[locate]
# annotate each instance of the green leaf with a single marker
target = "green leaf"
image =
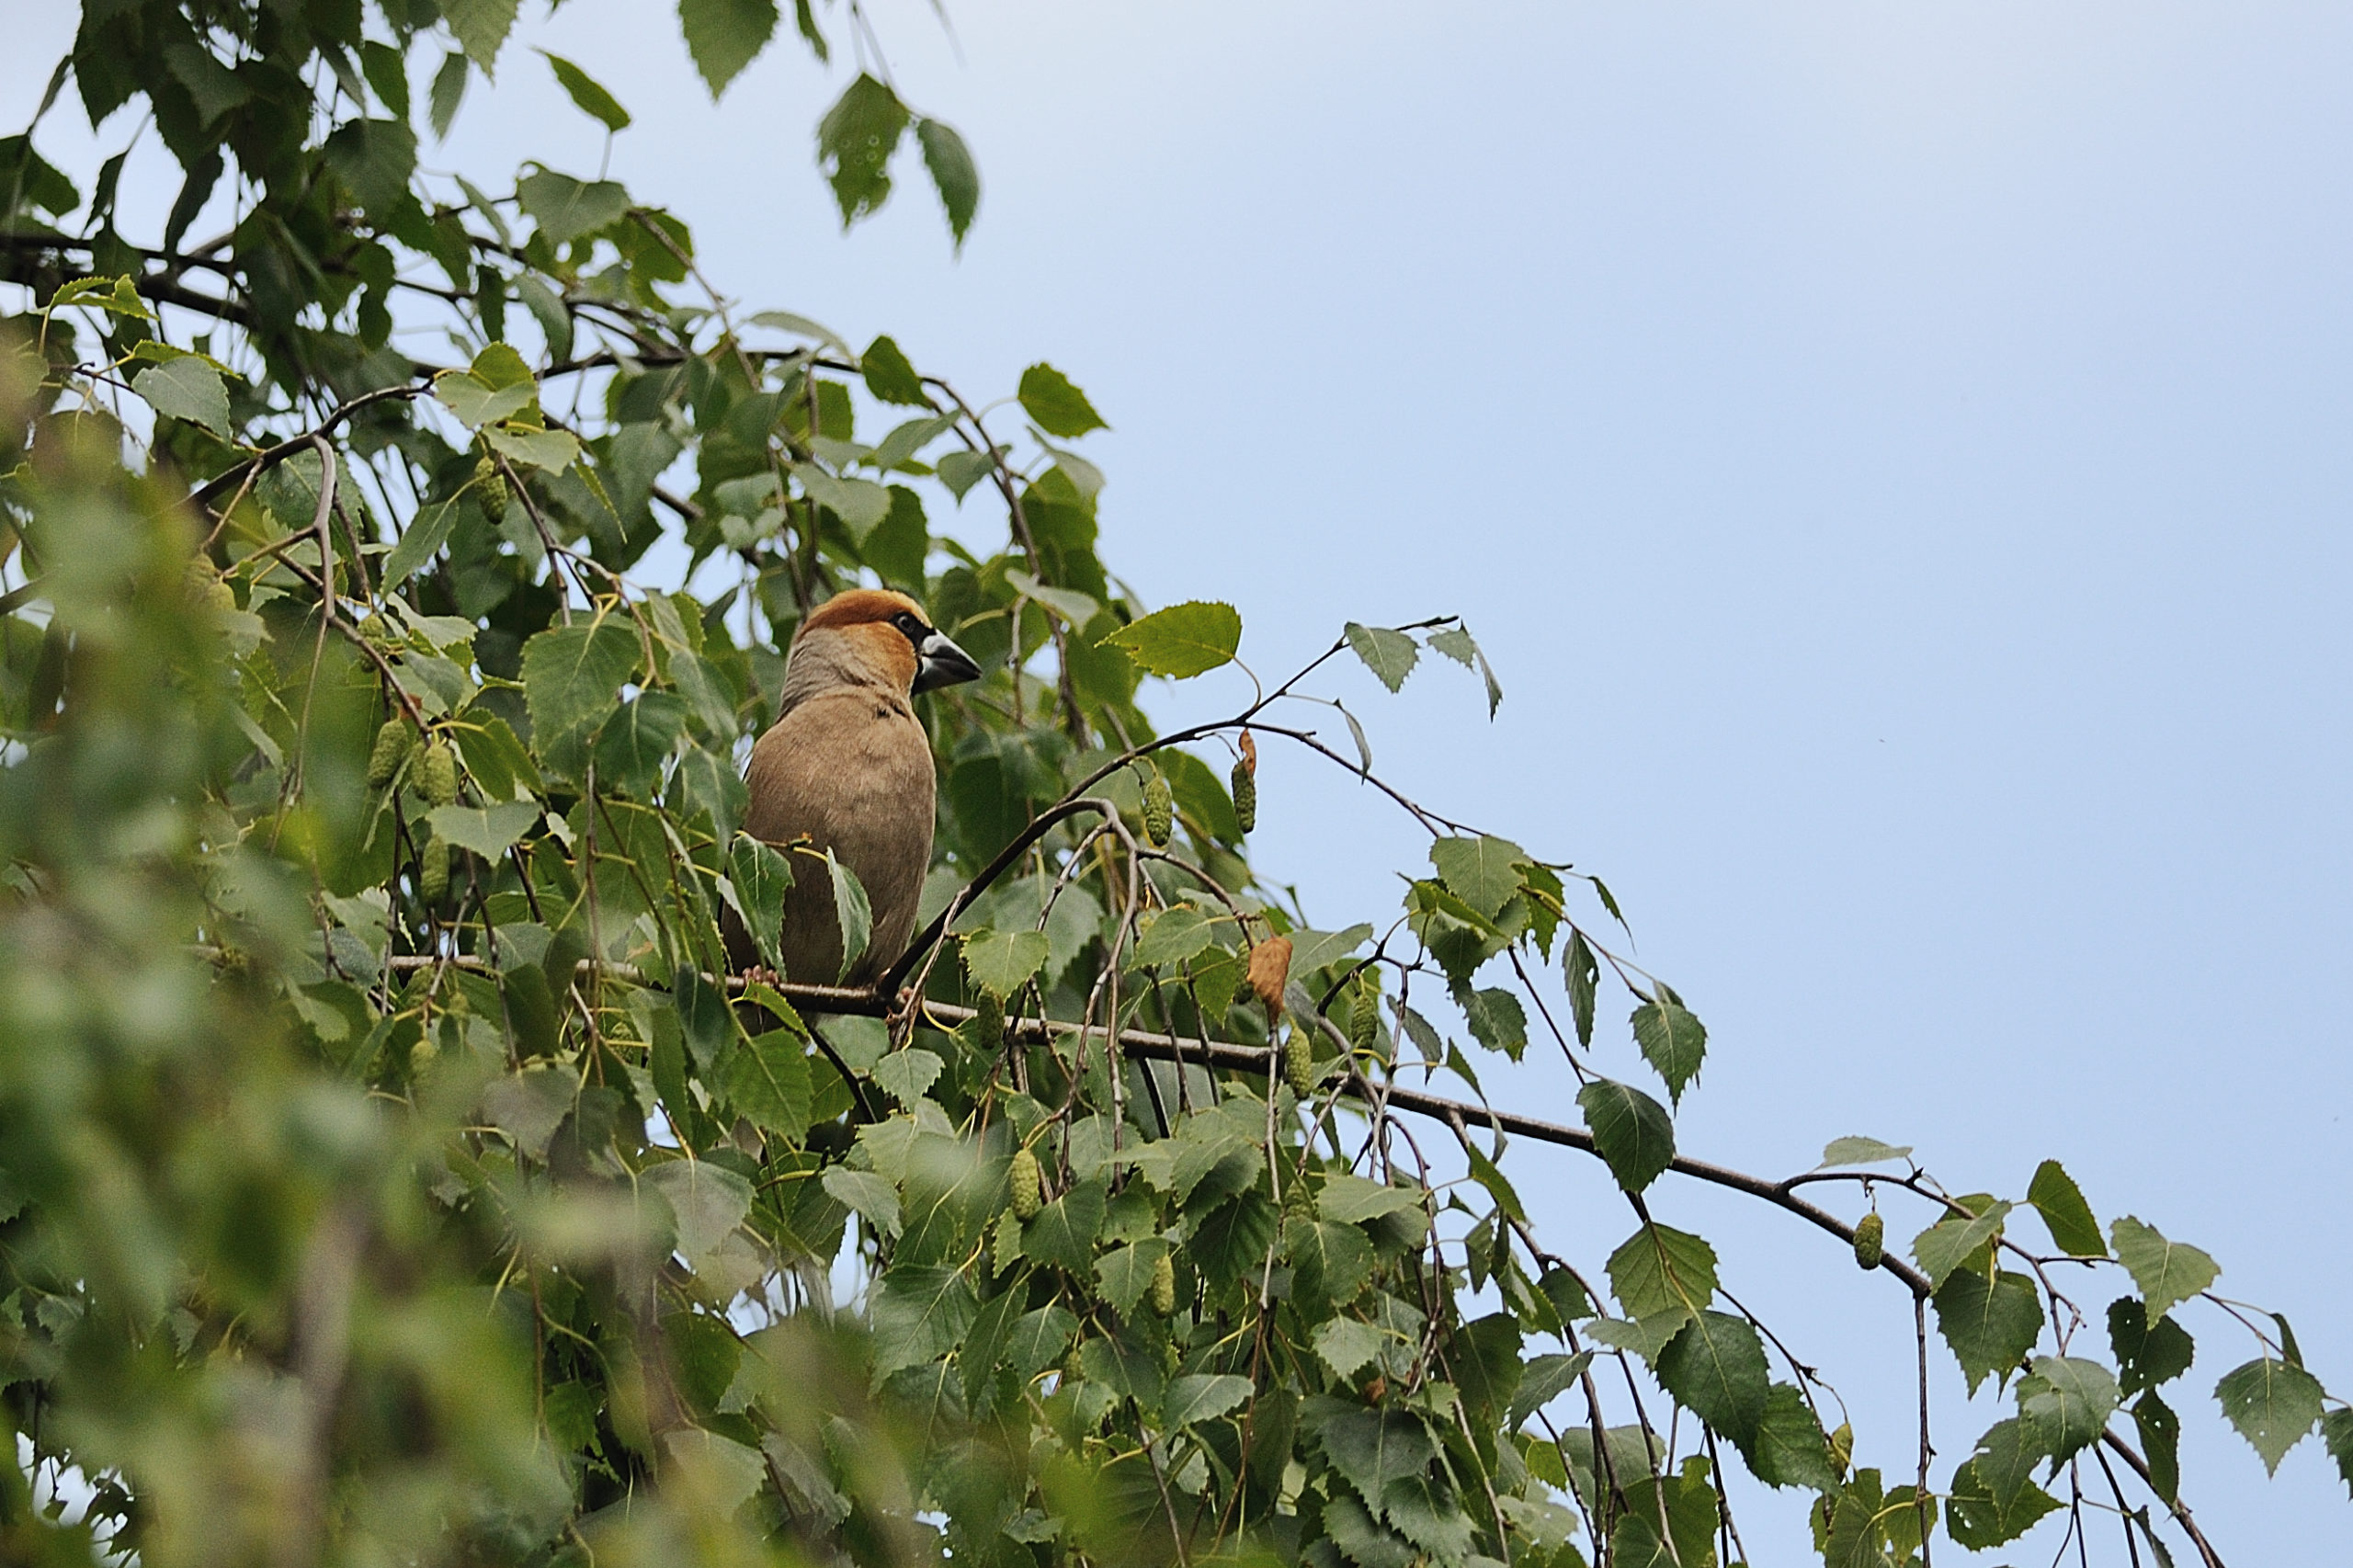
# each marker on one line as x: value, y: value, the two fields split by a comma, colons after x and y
x: 2272, y: 1402
x: 1124, y: 1366
x: 1673, y: 1040
x: 2065, y: 1402
x: 1330, y: 1261
x: 553, y: 450
x: 953, y: 174
x: 1994, y: 1498
x: 1352, y: 1199
x: 1360, y: 1538
x: 1790, y: 1450
x: 865, y: 1192
x: 1059, y: 408
x: 961, y: 470
x: 1484, y: 1172
x: 919, y: 1314
x: 2336, y: 1431
x: 1857, y: 1150
x: 1484, y: 872
x: 1347, y: 1345
x: 889, y: 376
x: 1036, y: 1340
x: 709, y: 1199
x: 854, y: 142
x: 1001, y: 962
x: 1063, y: 1231
x: 768, y: 1082
x: 374, y: 158
x: 2166, y: 1272
x: 906, y: 1074
x: 1182, y: 640
x: 1201, y: 1397
x: 1946, y: 1245
x: 2147, y: 1354
x: 565, y: 207
x: 724, y: 36
x: 1373, y: 1449
x: 572, y: 677
x: 448, y: 91
x: 485, y: 830
x: 1388, y: 654
x: 853, y: 914
x: 186, y: 389
x: 1661, y: 1269
x: 1715, y: 1368
x: 2160, y: 1431
x: 587, y: 95
x: 634, y: 744
x: 1990, y: 1324
x: 860, y: 504
x: 1583, y: 976
x: 2069, y: 1219
x: 427, y: 532
x: 1546, y: 1378
x: 1497, y: 1021
x: 761, y: 877
x: 481, y: 27
x: 705, y: 1018
x: 1633, y: 1131
x: 1126, y: 1272
x: 1173, y: 936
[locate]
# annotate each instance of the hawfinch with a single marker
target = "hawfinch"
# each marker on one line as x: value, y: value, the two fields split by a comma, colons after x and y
x: 847, y: 765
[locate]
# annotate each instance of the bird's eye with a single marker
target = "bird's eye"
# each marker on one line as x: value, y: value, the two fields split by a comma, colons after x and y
x: 907, y: 623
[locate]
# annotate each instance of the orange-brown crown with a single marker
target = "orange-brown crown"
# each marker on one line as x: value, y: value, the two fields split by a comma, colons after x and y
x: 860, y: 606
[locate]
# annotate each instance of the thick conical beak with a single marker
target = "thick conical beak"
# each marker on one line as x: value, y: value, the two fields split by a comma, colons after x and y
x: 939, y: 661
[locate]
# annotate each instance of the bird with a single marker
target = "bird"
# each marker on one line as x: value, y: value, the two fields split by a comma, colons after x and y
x: 846, y: 770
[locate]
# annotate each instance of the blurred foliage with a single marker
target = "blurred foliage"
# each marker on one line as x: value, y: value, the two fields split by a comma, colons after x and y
x: 391, y: 1172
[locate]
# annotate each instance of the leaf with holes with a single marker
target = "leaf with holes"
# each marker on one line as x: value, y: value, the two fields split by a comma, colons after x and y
x: 2272, y: 1402
x: 854, y: 142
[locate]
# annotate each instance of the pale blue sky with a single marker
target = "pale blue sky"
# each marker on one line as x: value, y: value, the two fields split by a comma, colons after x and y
x: 1894, y: 454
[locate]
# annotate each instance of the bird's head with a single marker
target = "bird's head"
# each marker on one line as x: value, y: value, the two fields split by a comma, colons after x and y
x: 883, y: 637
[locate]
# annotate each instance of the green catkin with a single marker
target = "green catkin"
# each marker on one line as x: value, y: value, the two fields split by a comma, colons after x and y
x: 1164, y: 1284
x: 493, y: 486
x: 1871, y: 1241
x: 1245, y: 797
x: 1364, y: 1013
x: 1159, y: 812
x: 433, y: 871
x: 988, y: 1023
x: 1299, y: 1064
x: 437, y: 776
x: 1027, y: 1183
x: 390, y: 751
